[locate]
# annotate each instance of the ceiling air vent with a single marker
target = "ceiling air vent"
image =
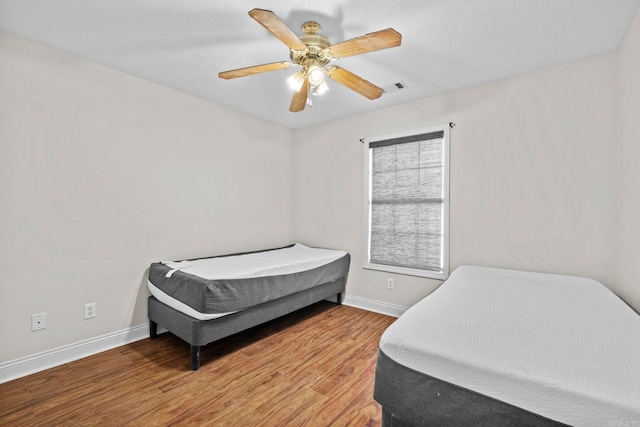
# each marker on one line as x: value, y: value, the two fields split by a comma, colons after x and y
x: 395, y: 87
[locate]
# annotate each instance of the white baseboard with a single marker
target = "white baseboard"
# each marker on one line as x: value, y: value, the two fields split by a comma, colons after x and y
x: 374, y: 305
x: 24, y: 366
x: 28, y: 365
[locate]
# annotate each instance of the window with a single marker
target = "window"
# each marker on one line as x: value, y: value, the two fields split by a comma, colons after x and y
x: 407, y: 202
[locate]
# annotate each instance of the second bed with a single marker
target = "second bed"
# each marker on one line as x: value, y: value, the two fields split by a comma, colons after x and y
x: 501, y: 347
x: 203, y: 300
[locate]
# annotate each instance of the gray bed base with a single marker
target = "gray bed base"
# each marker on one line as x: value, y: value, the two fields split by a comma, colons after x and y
x: 412, y: 398
x: 199, y: 333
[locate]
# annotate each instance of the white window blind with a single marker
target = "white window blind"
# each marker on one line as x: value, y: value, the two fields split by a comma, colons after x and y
x: 407, y: 202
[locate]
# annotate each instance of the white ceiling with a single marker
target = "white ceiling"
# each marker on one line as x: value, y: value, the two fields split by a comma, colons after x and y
x: 446, y: 44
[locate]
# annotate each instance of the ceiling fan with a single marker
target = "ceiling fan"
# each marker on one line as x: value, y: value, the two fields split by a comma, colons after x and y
x: 313, y: 52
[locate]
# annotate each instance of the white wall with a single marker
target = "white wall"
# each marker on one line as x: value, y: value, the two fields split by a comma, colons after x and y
x: 101, y: 174
x: 628, y: 284
x: 532, y: 177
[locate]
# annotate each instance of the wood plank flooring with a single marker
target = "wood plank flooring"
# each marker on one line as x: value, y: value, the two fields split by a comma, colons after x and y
x: 314, y: 367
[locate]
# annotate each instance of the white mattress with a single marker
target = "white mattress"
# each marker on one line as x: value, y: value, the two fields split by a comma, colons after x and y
x: 260, y: 264
x: 277, y: 262
x: 180, y: 306
x: 563, y: 347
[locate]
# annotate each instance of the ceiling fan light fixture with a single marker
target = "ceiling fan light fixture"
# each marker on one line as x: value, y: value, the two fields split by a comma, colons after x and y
x: 321, y: 88
x: 296, y: 80
x: 316, y: 75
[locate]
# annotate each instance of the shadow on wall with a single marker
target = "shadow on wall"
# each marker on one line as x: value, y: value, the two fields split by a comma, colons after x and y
x: 138, y: 311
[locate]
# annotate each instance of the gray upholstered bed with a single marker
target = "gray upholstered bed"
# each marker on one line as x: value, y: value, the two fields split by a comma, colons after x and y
x: 206, y: 299
x: 499, y: 347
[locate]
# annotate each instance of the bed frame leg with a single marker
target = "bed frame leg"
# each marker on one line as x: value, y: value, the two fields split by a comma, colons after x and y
x: 153, y: 330
x: 195, y: 357
x: 339, y: 298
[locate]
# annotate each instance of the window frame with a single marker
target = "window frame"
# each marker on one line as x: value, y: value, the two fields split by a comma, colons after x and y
x: 443, y: 272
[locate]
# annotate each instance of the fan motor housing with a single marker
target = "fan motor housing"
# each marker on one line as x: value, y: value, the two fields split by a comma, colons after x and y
x: 316, y: 51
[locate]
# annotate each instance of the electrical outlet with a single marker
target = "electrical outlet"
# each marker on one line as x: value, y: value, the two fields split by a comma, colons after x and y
x: 390, y: 285
x: 89, y: 310
x: 38, y: 322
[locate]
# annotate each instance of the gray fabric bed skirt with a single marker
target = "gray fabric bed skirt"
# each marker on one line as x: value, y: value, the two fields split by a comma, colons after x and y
x: 202, y: 332
x: 199, y: 333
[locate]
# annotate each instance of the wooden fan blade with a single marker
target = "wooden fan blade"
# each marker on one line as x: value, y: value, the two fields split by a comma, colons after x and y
x: 382, y: 39
x: 353, y: 82
x: 275, y: 26
x: 300, y: 97
x: 247, y: 71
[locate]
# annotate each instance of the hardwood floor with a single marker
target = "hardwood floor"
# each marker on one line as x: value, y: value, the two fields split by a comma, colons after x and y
x: 313, y: 367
